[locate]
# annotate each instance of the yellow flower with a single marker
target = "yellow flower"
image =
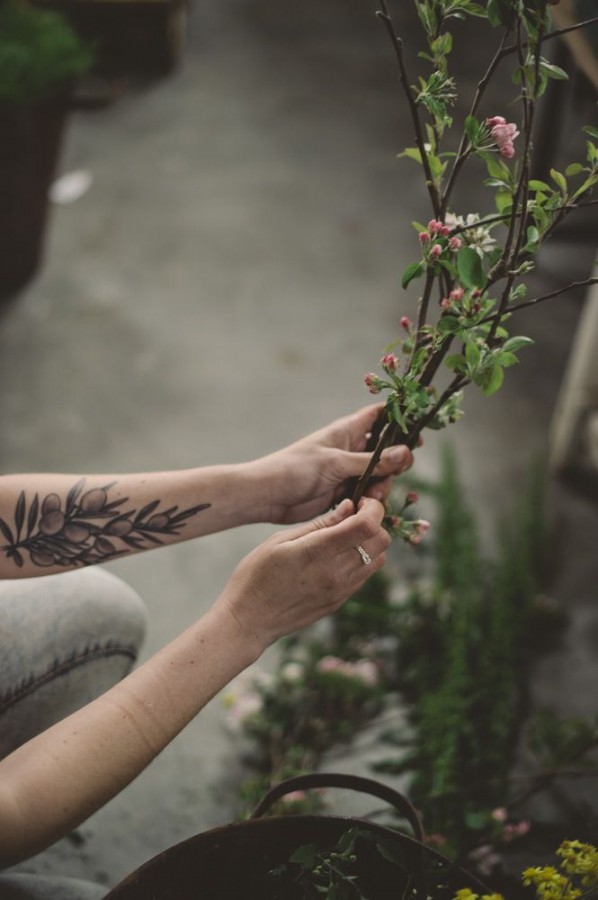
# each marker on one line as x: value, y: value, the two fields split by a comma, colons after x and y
x: 466, y: 894
x: 580, y: 859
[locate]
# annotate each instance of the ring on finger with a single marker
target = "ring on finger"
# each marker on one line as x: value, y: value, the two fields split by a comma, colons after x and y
x: 365, y: 556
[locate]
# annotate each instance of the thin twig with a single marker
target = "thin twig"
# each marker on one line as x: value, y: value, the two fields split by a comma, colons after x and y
x: 397, y: 43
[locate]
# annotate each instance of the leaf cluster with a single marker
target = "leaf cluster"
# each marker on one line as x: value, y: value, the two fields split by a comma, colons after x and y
x: 39, y: 53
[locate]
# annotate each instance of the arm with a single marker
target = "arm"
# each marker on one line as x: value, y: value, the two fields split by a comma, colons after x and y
x: 59, y: 778
x: 52, y: 523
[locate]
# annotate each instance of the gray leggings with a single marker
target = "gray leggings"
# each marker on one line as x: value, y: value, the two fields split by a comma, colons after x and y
x: 64, y: 639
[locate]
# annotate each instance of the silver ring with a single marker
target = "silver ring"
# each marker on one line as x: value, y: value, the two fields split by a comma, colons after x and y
x: 365, y: 556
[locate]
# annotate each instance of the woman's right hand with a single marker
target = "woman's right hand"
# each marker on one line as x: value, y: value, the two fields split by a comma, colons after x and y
x: 303, y: 574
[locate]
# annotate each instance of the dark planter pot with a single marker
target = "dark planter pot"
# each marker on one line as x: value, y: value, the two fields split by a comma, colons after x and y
x: 233, y: 863
x: 29, y: 150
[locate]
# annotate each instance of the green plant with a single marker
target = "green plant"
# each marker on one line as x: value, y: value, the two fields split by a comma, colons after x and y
x: 39, y: 53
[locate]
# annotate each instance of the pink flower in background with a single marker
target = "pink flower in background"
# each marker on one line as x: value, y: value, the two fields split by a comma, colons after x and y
x: 500, y: 814
x: 405, y: 322
x: 412, y: 497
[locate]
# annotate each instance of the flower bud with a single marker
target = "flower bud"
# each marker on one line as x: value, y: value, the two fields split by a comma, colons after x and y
x: 435, y: 251
x: 424, y: 237
x: 455, y: 243
x: 390, y: 362
x: 372, y: 383
x: 405, y: 322
x: 412, y: 497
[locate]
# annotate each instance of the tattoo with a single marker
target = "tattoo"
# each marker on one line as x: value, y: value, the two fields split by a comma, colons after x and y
x: 89, y: 528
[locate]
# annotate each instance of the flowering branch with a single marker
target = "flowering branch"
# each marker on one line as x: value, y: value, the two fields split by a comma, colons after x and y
x: 479, y: 282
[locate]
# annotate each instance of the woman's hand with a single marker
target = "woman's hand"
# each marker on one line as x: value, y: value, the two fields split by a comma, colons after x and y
x: 307, y: 478
x: 298, y: 576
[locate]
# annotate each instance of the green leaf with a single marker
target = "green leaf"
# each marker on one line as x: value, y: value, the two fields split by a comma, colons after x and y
x: 589, y: 129
x: 512, y: 345
x: 476, y: 820
x: 559, y: 179
x: 472, y: 354
x: 505, y: 359
x: 490, y: 379
x: 536, y: 185
x: 469, y: 267
x: 305, y: 856
x: 411, y: 153
x: 553, y: 71
x: 472, y: 129
x: 448, y: 325
x: 456, y: 362
x: 574, y: 169
x: 413, y: 270
x: 503, y: 201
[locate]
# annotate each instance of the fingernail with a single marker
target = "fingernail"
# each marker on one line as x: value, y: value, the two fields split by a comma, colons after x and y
x: 344, y: 507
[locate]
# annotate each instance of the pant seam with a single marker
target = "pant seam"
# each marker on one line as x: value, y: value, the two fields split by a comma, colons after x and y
x: 89, y: 654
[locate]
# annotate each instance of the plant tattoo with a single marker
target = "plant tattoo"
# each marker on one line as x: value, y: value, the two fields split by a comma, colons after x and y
x: 89, y: 528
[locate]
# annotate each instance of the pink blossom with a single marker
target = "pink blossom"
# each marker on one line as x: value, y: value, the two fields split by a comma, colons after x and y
x: 365, y: 670
x: 499, y: 814
x: 412, y: 497
x: 424, y: 237
x: 421, y: 526
x: 390, y: 361
x: 457, y: 294
x: 435, y: 251
x: 434, y: 226
x: 405, y: 322
x: 445, y: 303
x: 455, y: 243
x: 329, y: 664
x: 294, y: 797
x: 503, y: 133
x: 372, y: 383
x: 415, y: 539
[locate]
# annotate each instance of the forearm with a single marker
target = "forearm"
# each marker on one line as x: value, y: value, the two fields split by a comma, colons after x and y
x: 52, y: 523
x: 59, y: 778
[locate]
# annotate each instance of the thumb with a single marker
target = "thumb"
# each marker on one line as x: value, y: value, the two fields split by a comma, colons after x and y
x: 333, y: 517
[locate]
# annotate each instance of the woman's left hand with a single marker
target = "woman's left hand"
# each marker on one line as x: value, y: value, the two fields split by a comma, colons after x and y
x: 307, y: 478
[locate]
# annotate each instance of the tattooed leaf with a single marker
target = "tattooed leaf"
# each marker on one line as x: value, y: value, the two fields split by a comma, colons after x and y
x: 150, y: 537
x: 114, y: 504
x: 20, y: 513
x: 146, y: 510
x: 132, y: 542
x: 188, y: 512
x: 32, y: 517
x: 73, y: 494
x: 6, y: 532
x: 18, y: 559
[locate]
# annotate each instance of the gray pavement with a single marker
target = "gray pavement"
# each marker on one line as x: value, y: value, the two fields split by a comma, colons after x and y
x: 219, y: 291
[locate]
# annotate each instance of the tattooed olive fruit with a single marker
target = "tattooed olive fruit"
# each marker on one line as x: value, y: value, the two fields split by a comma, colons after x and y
x: 159, y: 521
x: 119, y: 527
x: 93, y: 501
x: 51, y: 502
x: 39, y: 558
x: 103, y: 546
x: 76, y: 533
x: 52, y: 522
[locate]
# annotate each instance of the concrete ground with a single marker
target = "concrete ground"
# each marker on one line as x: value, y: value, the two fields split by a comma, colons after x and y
x: 219, y: 291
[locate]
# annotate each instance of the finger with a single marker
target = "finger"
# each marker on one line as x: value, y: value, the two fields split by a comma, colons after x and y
x: 328, y: 520
x: 393, y: 461
x: 352, y: 530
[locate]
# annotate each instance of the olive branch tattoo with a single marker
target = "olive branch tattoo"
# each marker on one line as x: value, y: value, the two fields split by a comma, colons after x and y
x: 89, y: 527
